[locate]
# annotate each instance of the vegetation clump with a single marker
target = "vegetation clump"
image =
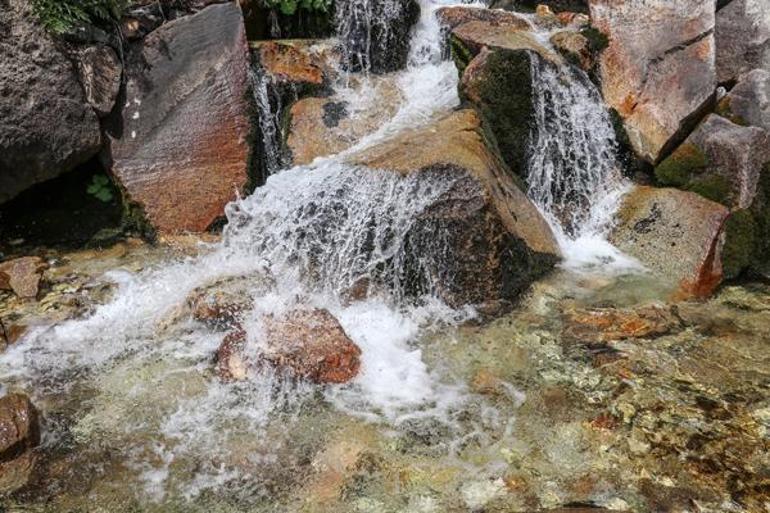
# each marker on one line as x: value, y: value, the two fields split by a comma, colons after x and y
x: 289, y: 7
x: 61, y: 16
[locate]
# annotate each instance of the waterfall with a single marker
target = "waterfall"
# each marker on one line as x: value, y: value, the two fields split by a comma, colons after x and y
x: 365, y: 27
x: 269, y: 103
x: 574, y: 173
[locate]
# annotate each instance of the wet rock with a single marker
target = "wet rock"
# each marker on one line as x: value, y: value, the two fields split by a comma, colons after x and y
x: 495, y: 243
x: 595, y: 325
x: 292, y: 62
x: 100, y: 73
x: 47, y: 126
x: 729, y: 164
x: 10, y: 333
x: 469, y: 38
x: 676, y: 234
x: 22, y: 276
x: 181, y: 150
x: 658, y: 72
x: 309, y: 343
x: 575, y: 47
x: 218, y: 309
x: 326, y: 126
x: 748, y: 103
x: 452, y: 17
x: 742, y: 38
x: 19, y: 435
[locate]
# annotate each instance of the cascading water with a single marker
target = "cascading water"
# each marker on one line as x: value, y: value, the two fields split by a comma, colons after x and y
x: 574, y: 174
x: 269, y: 105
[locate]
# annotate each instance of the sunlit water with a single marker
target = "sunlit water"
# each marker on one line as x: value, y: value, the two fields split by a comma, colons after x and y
x: 139, y: 376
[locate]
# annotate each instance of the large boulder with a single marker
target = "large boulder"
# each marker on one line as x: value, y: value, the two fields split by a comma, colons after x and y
x: 180, y: 151
x: 729, y: 164
x: 47, y: 127
x: 452, y: 17
x: 482, y: 241
x: 748, y: 103
x: 743, y: 38
x: 310, y: 344
x: 497, y: 61
x: 19, y: 435
x: 325, y: 126
x: 676, y: 234
x: 658, y: 71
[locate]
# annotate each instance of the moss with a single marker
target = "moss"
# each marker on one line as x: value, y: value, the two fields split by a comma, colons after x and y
x: 503, y: 90
x: 714, y: 187
x: 761, y: 212
x: 597, y: 40
x: 681, y: 166
x: 740, y: 243
x: 461, y: 55
x: 723, y: 109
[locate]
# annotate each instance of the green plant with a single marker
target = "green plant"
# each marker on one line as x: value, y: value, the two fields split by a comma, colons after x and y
x: 101, y: 188
x: 290, y: 7
x: 61, y: 16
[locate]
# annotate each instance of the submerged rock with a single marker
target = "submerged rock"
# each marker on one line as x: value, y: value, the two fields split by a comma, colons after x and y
x: 181, y: 150
x: 742, y: 38
x: 311, y: 344
x: 599, y: 325
x: 658, y: 72
x: 676, y: 234
x: 19, y: 435
x: 481, y: 241
x: 47, y: 126
x: 22, y: 276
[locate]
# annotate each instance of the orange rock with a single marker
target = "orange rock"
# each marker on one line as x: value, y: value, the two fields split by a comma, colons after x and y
x: 19, y: 435
x: 309, y: 343
x: 454, y: 16
x: 608, y: 324
x: 288, y: 63
x: 22, y: 276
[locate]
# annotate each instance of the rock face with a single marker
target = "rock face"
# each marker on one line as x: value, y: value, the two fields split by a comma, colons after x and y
x: 748, y: 103
x: 720, y: 160
x: 729, y: 164
x: 659, y: 70
x: 324, y: 126
x: 22, y: 276
x: 100, y: 73
x: 742, y: 38
x: 495, y: 243
x: 453, y: 17
x: 676, y: 234
x: 310, y: 344
x: 293, y: 62
x: 182, y: 148
x: 19, y: 434
x: 47, y: 127
x: 574, y: 46
x: 496, y: 62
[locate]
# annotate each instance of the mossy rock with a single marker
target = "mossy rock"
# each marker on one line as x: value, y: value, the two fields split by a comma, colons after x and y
x: 761, y: 213
x: 501, y: 90
x: 740, y: 243
x: 597, y: 40
x: 679, y: 169
x: 723, y: 109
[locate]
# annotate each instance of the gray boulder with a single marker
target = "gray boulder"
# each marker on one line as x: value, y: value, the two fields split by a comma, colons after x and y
x: 46, y: 126
x: 742, y: 38
x: 100, y: 73
x: 748, y: 103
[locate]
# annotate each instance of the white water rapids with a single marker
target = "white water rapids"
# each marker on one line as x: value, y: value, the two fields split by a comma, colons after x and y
x: 327, y: 219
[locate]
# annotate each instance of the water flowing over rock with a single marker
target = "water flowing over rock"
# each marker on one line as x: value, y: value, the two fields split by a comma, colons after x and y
x: 181, y: 149
x: 676, y: 234
x: 47, y: 127
x: 375, y: 33
x: 452, y: 17
x: 100, y: 73
x: 742, y: 38
x: 602, y: 325
x: 659, y: 71
x: 19, y: 435
x: 481, y: 240
x: 311, y: 344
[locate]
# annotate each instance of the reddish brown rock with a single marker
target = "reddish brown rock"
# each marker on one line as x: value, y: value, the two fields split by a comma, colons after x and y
x: 10, y: 333
x: 22, y: 276
x: 658, y: 72
x: 573, y: 19
x: 304, y: 63
x: 452, y: 17
x: 310, y: 343
x: 216, y: 308
x: 598, y: 325
x: 575, y: 46
x: 678, y: 235
x: 181, y: 151
x: 19, y: 435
